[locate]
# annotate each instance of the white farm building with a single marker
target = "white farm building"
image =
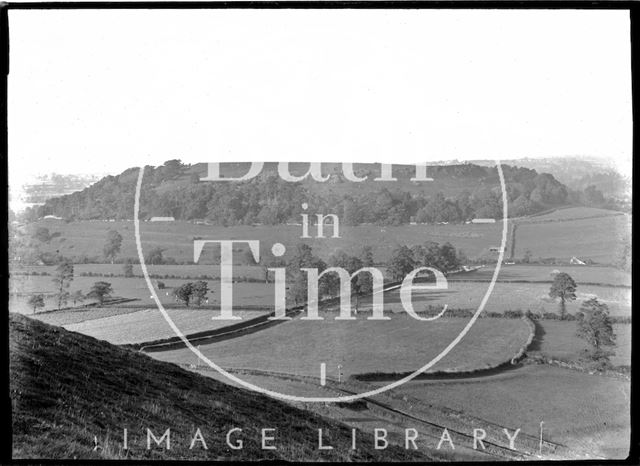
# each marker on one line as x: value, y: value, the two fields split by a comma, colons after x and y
x: 483, y: 220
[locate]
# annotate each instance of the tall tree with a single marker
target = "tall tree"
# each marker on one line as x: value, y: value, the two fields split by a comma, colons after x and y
x: 199, y: 292
x: 184, y: 293
x: 563, y: 287
x: 402, y: 263
x: 301, y: 258
x: 62, y: 279
x: 596, y: 327
x: 112, y: 245
x: 36, y: 301
x: 365, y: 280
x: 100, y: 291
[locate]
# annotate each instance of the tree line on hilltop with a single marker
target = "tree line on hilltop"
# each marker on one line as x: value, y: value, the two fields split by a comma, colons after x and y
x: 174, y: 189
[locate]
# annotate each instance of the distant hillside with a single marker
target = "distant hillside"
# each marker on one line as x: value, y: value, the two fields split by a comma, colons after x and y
x: 578, y: 173
x: 457, y: 194
x: 67, y: 388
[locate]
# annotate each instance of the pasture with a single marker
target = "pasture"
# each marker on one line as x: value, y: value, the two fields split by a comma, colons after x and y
x: 460, y: 294
x: 401, y: 344
x: 545, y: 273
x: 149, y: 324
x: 588, y: 413
x: 559, y: 340
x: 600, y: 239
x: 176, y: 238
x: 509, y: 296
x: 597, y: 237
x: 572, y: 213
x: 244, y: 294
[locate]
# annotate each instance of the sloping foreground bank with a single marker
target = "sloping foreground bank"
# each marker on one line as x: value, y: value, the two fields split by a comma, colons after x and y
x: 71, y: 392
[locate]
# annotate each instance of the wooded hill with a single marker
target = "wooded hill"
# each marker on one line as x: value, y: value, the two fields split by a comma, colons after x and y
x: 457, y: 193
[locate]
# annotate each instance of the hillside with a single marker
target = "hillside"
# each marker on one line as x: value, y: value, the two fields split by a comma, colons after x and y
x: 67, y: 388
x: 456, y: 194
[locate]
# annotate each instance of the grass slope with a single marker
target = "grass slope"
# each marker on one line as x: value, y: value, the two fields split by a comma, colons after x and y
x: 67, y: 388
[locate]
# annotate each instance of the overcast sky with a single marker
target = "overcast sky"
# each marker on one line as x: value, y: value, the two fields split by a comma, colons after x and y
x: 101, y: 91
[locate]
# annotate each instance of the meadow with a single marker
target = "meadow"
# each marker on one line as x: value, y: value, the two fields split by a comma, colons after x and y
x: 586, y: 233
x: 149, y: 324
x: 558, y: 339
x: 545, y: 273
x: 587, y: 413
x: 600, y: 239
x: 244, y: 294
x: 509, y: 296
x: 465, y: 290
x: 399, y: 345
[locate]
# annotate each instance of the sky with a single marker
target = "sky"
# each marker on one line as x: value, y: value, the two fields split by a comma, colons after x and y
x: 101, y: 91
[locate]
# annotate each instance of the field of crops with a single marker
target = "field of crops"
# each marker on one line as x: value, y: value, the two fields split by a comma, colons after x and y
x: 582, y: 411
x: 399, y: 345
x: 149, y: 324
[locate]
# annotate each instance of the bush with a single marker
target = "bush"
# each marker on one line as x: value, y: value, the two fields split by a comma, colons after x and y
x: 466, y: 313
x: 513, y: 314
x: 531, y: 315
x: 550, y: 316
x: 161, y: 285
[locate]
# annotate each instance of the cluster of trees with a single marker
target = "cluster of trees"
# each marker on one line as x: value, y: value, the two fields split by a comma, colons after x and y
x: 594, y: 325
x: 62, y: 278
x: 404, y: 259
x: 192, y: 292
x: 267, y: 199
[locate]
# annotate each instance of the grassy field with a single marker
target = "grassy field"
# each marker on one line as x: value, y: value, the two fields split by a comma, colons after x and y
x: 599, y: 239
x: 176, y: 238
x: 150, y: 325
x: 573, y: 213
x: 510, y: 296
x: 585, y: 412
x: 460, y: 294
x: 68, y: 388
x: 244, y: 294
x: 596, y: 238
x: 400, y: 344
x: 72, y: 316
x: 559, y: 340
x: 531, y: 272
